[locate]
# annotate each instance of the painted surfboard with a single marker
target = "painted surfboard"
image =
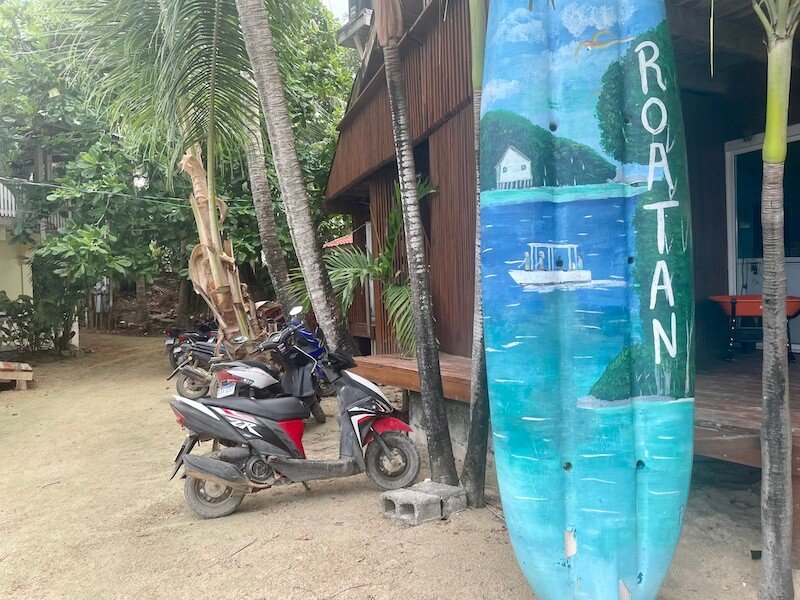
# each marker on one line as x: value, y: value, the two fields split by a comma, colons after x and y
x: 588, y: 303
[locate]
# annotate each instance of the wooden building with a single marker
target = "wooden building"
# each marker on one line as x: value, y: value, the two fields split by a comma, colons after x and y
x: 723, y: 116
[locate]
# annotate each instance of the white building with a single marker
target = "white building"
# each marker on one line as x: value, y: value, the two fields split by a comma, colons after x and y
x: 514, y: 170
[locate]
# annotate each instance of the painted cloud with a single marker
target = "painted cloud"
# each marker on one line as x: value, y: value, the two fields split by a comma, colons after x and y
x: 497, y: 89
x: 578, y: 17
x: 519, y: 26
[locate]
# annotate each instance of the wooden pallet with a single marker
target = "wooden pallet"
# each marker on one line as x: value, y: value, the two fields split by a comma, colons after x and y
x: 20, y: 373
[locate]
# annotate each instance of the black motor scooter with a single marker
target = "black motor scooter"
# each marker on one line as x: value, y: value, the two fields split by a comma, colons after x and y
x: 262, y: 443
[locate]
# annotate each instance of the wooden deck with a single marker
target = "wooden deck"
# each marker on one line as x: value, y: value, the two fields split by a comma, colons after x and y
x: 727, y: 406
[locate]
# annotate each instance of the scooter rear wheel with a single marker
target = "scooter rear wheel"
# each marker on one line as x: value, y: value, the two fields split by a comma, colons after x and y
x: 189, y: 388
x: 396, y: 470
x: 211, y: 500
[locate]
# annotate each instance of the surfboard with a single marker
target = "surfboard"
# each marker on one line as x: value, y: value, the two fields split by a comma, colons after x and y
x: 588, y: 302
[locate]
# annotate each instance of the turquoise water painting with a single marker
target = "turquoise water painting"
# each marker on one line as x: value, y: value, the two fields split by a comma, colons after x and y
x: 588, y: 303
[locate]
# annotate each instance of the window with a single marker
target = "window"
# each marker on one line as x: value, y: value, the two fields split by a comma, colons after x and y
x: 505, y: 169
x: 523, y: 167
x: 748, y: 167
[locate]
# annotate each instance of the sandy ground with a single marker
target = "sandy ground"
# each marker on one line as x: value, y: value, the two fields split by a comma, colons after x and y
x: 86, y: 511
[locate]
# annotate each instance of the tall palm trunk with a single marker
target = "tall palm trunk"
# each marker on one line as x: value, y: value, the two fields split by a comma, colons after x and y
x: 271, y: 249
x: 473, y: 474
x: 254, y: 21
x: 440, y: 449
x: 142, y: 310
x: 780, y: 23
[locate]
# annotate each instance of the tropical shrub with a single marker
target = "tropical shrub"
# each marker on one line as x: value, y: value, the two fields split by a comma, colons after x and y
x: 353, y: 268
x: 22, y: 328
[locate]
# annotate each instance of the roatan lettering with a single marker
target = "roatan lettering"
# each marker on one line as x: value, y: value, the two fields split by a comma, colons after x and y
x: 662, y: 280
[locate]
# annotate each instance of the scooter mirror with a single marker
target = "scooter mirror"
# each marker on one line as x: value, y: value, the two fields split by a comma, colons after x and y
x: 296, y: 311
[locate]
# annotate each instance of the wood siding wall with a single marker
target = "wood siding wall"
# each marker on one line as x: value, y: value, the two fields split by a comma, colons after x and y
x: 382, y: 199
x: 437, y: 70
x: 452, y: 243
x: 358, y: 313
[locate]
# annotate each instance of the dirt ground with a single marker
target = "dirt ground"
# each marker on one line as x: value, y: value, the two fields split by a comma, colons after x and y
x: 87, y: 511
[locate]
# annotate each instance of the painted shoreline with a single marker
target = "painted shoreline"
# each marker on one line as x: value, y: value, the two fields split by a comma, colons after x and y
x: 594, y: 191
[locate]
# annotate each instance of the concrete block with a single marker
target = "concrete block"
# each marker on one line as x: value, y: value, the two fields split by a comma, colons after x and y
x: 411, y: 507
x: 453, y: 498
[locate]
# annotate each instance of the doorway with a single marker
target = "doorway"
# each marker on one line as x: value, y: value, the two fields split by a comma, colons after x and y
x: 743, y: 171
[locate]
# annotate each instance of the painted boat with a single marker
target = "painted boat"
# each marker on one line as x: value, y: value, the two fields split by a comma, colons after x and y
x: 591, y: 383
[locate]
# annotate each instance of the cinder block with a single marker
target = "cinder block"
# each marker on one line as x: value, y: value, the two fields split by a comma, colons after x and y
x: 453, y: 498
x: 411, y: 507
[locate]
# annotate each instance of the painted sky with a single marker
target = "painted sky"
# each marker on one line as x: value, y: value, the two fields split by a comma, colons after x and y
x: 533, y: 68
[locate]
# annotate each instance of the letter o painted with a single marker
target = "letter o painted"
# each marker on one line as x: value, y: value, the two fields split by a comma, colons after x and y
x: 646, y: 118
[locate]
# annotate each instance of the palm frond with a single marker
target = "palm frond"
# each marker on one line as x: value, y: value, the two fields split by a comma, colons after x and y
x: 350, y: 268
x: 205, y: 74
x: 167, y: 71
x: 397, y: 301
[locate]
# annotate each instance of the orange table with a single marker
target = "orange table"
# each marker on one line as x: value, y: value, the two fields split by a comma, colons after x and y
x: 749, y: 305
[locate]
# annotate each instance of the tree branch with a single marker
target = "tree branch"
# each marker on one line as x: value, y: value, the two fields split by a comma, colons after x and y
x: 763, y: 18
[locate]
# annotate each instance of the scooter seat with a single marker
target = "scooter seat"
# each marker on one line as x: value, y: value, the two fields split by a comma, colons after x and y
x: 206, y: 346
x: 283, y: 408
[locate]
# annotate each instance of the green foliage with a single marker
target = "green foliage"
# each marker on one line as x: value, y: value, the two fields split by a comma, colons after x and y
x: 39, y: 108
x: 83, y: 254
x: 554, y: 160
x: 619, y: 107
x: 21, y: 326
x: 351, y: 269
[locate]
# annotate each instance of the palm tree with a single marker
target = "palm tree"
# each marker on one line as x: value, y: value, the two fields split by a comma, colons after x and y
x: 271, y: 249
x: 473, y: 474
x: 780, y: 19
x: 389, y: 27
x: 254, y: 20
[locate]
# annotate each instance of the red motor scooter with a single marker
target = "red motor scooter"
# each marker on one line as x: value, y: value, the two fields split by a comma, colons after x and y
x: 262, y: 442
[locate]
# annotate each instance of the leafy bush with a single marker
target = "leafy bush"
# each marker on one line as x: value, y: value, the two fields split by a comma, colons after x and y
x: 22, y: 328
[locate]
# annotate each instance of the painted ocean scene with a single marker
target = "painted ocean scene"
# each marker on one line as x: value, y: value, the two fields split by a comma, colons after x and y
x: 586, y: 266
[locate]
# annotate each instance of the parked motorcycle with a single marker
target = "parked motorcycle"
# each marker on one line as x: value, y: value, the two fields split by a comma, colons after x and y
x: 203, y: 331
x: 291, y: 370
x: 262, y: 442
x: 313, y: 345
x: 194, y: 376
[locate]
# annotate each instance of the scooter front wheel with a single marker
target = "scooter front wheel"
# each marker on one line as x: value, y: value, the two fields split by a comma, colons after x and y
x: 396, y: 469
x: 211, y: 500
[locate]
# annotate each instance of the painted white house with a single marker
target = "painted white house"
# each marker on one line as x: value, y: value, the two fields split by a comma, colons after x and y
x: 514, y: 170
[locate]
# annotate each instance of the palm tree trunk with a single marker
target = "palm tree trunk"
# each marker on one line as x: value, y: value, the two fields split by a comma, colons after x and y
x: 473, y: 474
x: 443, y: 468
x: 254, y: 21
x: 271, y: 249
x: 142, y: 310
x: 776, y: 433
